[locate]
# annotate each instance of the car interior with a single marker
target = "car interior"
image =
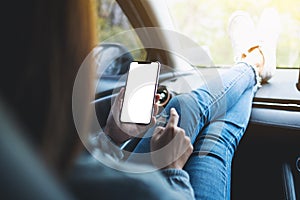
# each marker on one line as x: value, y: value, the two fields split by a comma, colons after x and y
x: 266, y: 164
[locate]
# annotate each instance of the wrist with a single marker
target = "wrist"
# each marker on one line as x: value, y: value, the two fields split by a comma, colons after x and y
x: 116, y: 134
x: 113, y: 136
x: 173, y: 166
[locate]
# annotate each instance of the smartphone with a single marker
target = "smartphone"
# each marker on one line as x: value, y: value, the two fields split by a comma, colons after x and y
x: 139, y: 95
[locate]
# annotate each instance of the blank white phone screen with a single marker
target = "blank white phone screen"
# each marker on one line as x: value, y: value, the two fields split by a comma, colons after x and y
x: 139, y: 92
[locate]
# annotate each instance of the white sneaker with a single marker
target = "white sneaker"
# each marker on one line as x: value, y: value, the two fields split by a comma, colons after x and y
x: 242, y: 33
x: 268, y: 33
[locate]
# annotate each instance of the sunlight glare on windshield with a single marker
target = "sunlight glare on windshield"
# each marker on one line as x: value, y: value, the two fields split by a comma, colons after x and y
x: 206, y: 23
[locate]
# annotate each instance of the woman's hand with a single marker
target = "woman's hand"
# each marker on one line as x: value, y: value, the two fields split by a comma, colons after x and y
x: 120, y: 132
x: 170, y: 147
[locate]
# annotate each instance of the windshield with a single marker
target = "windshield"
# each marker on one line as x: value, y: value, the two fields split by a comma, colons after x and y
x: 206, y: 23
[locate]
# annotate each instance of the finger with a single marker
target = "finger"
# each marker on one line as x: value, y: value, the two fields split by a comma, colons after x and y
x: 191, y: 149
x: 157, y: 97
x: 121, y: 93
x: 174, y: 118
x: 120, y: 97
x: 155, y: 109
x: 153, y: 121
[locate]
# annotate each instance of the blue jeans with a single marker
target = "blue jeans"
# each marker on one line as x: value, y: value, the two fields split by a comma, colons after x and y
x: 215, y: 117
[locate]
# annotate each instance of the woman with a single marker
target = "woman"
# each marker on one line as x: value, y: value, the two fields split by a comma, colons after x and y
x: 56, y: 36
x: 52, y: 39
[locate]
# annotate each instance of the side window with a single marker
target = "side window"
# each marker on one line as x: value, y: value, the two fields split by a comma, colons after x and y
x: 112, y: 22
